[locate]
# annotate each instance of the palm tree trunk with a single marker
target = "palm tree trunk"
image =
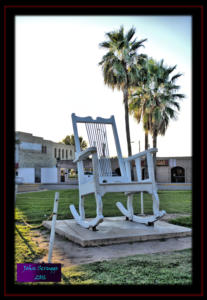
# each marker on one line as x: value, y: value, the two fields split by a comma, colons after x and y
x: 154, y: 140
x: 146, y: 147
x: 146, y: 140
x: 125, y: 91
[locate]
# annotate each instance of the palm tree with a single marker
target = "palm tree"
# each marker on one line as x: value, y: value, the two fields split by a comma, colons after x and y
x: 165, y: 100
x: 138, y: 109
x: 120, y: 66
x: 70, y: 140
x: 156, y: 100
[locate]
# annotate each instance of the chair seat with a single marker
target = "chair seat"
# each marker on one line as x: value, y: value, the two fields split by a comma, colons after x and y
x: 125, y: 183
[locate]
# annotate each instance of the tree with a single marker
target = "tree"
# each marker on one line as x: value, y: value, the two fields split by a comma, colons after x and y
x: 120, y: 66
x: 70, y: 140
x: 156, y: 99
x: 165, y: 100
x: 138, y: 100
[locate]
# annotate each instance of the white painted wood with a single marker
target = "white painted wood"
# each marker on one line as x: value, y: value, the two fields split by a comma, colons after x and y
x: 86, y: 224
x: 150, y: 167
x: 81, y: 207
x: 84, y: 154
x: 123, y: 210
x: 130, y: 206
x: 99, y: 185
x: 128, y: 170
x: 52, y: 234
x: 143, y: 153
x: 149, y: 219
x: 144, y: 220
x: 90, y: 120
x: 142, y: 204
x: 138, y: 168
x: 118, y: 149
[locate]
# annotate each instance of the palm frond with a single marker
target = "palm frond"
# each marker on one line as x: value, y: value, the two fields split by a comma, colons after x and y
x: 171, y: 69
x: 138, y: 44
x: 175, y: 77
x: 180, y: 96
x: 105, y: 44
x: 130, y: 34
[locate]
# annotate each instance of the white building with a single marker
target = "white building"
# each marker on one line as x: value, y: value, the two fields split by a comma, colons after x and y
x: 36, y: 158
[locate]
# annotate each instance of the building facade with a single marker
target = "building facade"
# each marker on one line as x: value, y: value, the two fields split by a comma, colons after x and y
x: 43, y: 161
x: 174, y: 169
x: 35, y: 156
x: 168, y: 169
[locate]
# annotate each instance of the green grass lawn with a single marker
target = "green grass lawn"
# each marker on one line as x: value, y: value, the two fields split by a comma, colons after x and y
x: 182, y: 221
x: 163, y: 268
x: 38, y: 206
x: 151, y: 269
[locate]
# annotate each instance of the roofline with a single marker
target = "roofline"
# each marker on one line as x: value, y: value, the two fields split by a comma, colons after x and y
x: 39, y: 137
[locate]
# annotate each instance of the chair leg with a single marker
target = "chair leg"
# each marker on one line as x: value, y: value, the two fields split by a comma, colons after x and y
x: 81, y: 207
x: 80, y: 218
x: 99, y: 205
x: 156, y: 203
x: 155, y: 199
x: 149, y: 220
x: 130, y: 206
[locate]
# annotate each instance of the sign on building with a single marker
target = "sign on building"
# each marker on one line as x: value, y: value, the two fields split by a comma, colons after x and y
x: 162, y: 162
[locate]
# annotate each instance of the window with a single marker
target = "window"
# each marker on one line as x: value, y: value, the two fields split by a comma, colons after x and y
x: 44, y: 149
x: 71, y: 153
x: 178, y: 174
x: 55, y: 152
x: 62, y: 153
x: 59, y: 153
x: 66, y: 154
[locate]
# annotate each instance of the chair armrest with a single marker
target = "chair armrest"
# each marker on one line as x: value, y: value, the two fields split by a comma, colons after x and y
x: 84, y: 154
x: 140, y: 154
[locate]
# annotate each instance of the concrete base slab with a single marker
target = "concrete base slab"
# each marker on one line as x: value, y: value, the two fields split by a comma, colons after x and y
x: 116, y: 230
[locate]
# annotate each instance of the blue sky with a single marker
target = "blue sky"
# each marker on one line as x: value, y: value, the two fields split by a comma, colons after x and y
x: 57, y: 74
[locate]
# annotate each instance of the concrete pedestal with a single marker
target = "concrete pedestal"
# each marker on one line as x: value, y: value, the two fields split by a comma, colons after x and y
x: 116, y: 230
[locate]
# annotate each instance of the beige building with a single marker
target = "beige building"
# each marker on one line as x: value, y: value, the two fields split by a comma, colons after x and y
x: 168, y: 169
x: 174, y: 169
x: 41, y: 160
x: 33, y: 152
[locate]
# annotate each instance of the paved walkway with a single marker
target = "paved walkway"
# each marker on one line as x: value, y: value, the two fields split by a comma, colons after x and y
x: 68, y: 253
x: 63, y: 186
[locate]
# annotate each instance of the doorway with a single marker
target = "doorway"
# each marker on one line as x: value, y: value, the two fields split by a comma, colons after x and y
x: 177, y: 174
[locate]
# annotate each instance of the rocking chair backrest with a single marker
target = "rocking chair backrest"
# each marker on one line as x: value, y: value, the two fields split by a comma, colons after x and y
x: 97, y: 136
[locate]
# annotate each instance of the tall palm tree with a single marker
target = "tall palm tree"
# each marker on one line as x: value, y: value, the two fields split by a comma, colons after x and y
x: 156, y: 99
x: 120, y: 66
x: 138, y: 100
x: 165, y: 100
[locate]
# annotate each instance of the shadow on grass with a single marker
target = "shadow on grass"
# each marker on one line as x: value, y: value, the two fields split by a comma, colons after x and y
x: 25, y: 240
x: 66, y: 279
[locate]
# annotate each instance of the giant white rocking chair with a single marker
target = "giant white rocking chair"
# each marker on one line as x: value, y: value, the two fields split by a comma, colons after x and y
x: 102, y: 181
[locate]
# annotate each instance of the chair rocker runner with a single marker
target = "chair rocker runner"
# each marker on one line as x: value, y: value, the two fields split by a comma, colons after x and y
x: 102, y: 181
